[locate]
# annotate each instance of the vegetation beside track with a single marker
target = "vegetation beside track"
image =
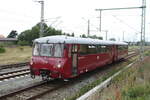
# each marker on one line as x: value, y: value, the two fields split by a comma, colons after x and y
x: 88, y: 87
x: 2, y: 49
x: 133, y: 47
x: 133, y: 84
x: 147, y: 53
x: 15, y: 54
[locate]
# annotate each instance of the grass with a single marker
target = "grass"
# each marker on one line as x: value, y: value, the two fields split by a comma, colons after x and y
x: 133, y: 47
x: 147, y: 53
x: 133, y: 84
x: 130, y: 48
x: 2, y: 50
x: 138, y: 92
x: 15, y: 54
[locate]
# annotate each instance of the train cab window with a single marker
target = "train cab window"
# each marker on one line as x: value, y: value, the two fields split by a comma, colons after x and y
x: 58, y: 50
x: 46, y: 50
x: 36, y: 49
x: 51, y: 50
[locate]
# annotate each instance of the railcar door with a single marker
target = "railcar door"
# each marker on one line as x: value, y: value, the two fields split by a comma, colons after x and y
x: 74, y: 59
x: 115, y: 52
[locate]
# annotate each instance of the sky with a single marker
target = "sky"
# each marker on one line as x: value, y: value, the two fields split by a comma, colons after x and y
x: 73, y: 15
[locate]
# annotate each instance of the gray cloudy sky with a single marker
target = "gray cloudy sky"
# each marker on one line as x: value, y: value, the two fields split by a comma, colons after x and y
x: 73, y: 15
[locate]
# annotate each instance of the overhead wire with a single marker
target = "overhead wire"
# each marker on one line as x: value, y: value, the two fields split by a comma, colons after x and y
x: 120, y: 20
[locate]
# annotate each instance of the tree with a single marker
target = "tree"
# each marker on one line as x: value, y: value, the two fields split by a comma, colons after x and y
x: 51, y: 31
x: 83, y: 36
x: 27, y: 36
x: 96, y: 37
x: 112, y: 39
x: 93, y: 37
x: 12, y: 34
x: 72, y: 34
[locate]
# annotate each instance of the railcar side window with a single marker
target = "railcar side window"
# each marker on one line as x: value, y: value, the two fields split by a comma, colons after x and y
x: 126, y: 47
x: 122, y: 48
x: 108, y: 48
x: 83, y: 49
x: 102, y: 49
x: 92, y: 49
x: 74, y: 48
x: 98, y: 49
x: 36, y: 50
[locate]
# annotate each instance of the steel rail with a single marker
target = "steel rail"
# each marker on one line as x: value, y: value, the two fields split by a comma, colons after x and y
x: 14, y: 71
x: 14, y: 65
x: 30, y: 87
x: 12, y: 75
x: 16, y: 91
x: 45, y: 92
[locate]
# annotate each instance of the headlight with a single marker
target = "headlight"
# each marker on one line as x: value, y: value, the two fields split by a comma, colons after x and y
x: 31, y: 62
x: 59, y: 65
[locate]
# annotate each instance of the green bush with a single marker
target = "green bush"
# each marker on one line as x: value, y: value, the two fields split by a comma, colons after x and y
x: 137, y: 92
x: 2, y: 49
x: 21, y: 48
x: 147, y: 53
x: 23, y: 43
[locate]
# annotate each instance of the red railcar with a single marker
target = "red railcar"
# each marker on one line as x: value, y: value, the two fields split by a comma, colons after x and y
x: 67, y: 57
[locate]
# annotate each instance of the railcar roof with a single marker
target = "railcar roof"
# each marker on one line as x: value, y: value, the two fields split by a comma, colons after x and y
x: 75, y: 40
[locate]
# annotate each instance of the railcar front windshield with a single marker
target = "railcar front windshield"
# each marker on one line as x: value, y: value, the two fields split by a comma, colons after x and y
x: 50, y: 50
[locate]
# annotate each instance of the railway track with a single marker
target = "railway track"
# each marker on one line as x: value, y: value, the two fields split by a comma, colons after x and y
x: 42, y: 91
x: 13, y: 70
x: 13, y: 74
x: 39, y: 89
x: 33, y: 91
x: 132, y: 54
x: 13, y: 65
